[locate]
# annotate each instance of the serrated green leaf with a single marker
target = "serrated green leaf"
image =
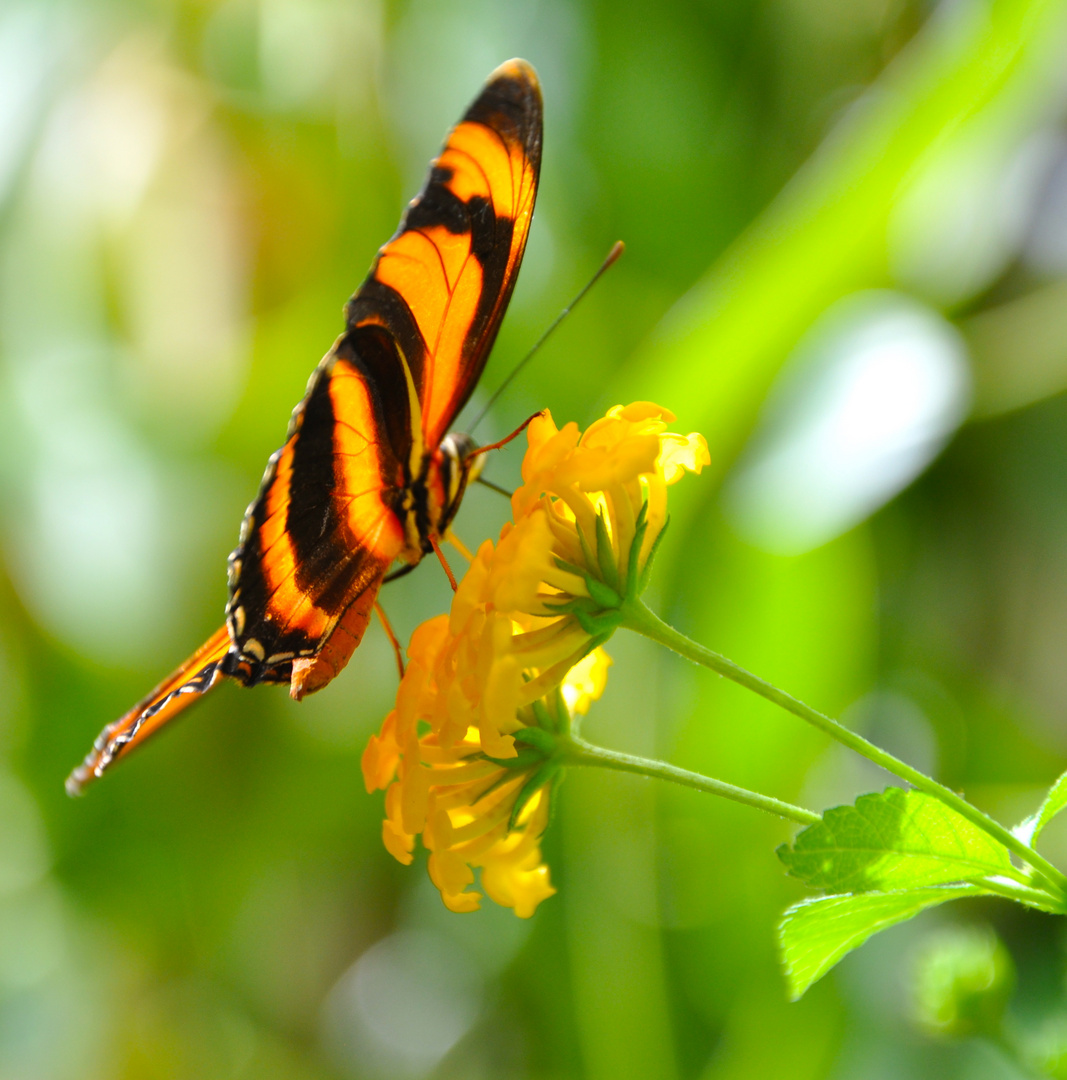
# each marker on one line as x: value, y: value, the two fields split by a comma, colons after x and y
x: 1029, y: 830
x: 816, y: 934
x: 893, y: 840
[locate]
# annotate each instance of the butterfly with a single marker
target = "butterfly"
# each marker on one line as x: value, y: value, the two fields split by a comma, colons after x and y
x: 369, y: 474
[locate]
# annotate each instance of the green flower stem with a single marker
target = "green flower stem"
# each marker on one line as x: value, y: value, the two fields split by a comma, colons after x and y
x: 640, y: 618
x: 576, y: 751
x: 1023, y: 894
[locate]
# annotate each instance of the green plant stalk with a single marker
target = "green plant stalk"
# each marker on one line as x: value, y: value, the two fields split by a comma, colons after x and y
x: 1023, y: 894
x: 637, y: 616
x: 577, y: 751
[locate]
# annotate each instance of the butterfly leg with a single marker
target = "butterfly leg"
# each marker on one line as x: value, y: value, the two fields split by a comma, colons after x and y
x: 387, y: 627
x: 504, y: 442
x: 441, y: 556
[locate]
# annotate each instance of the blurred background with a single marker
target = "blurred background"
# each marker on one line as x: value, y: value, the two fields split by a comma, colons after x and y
x: 846, y: 228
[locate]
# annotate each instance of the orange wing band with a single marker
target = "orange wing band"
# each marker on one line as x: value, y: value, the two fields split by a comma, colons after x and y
x: 175, y: 694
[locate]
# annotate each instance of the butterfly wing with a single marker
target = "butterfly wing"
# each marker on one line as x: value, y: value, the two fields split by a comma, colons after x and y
x: 443, y: 282
x: 173, y: 695
x: 333, y: 511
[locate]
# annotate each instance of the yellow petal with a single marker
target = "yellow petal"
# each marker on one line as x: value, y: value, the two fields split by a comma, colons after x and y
x: 427, y: 641
x: 398, y: 843
x: 452, y: 876
x: 522, y: 559
x: 522, y: 890
x: 638, y: 411
x: 381, y: 757
x: 680, y: 454
x: 585, y: 681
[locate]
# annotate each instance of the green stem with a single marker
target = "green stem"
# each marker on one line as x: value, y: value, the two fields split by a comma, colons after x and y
x: 640, y: 618
x: 578, y: 752
x: 1022, y: 894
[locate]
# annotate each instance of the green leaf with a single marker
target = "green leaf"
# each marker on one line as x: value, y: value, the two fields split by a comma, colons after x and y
x: 526, y: 757
x: 572, y: 568
x: 1029, y: 830
x: 815, y: 934
x: 894, y: 840
x: 546, y: 721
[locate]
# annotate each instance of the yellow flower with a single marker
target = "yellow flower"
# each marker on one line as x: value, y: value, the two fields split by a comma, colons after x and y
x: 592, y: 508
x: 472, y: 809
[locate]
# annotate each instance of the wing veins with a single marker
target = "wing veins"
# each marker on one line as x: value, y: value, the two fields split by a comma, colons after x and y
x: 305, y: 597
x: 449, y: 288
x: 352, y: 427
x: 444, y: 319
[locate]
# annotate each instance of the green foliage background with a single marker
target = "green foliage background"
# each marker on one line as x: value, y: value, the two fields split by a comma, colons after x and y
x: 188, y: 193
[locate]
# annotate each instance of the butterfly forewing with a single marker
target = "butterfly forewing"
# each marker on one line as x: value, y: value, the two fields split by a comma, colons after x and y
x: 179, y: 690
x: 451, y: 267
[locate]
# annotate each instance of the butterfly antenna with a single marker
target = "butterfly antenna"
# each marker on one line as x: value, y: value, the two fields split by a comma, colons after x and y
x: 613, y: 256
x: 493, y: 487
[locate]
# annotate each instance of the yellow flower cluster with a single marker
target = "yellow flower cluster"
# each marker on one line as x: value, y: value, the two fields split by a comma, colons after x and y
x: 595, y: 504
x: 469, y: 753
x: 471, y: 810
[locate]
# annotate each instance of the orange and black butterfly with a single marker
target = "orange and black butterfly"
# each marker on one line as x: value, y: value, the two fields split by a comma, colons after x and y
x: 368, y: 474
